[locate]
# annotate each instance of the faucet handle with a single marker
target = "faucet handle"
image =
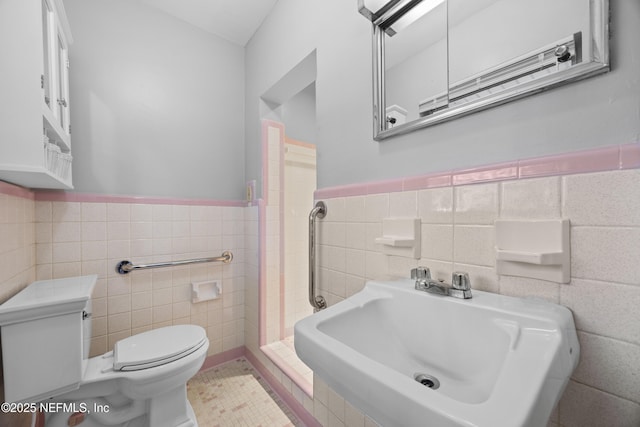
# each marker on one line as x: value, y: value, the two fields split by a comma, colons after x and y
x: 420, y: 273
x: 460, y: 280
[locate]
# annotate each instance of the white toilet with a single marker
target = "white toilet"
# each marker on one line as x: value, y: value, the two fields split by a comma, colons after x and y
x: 46, y: 332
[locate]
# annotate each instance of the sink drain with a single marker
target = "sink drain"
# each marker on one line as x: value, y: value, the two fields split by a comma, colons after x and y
x: 427, y: 380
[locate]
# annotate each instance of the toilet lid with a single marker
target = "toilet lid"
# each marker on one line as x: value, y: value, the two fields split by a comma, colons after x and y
x: 157, y: 347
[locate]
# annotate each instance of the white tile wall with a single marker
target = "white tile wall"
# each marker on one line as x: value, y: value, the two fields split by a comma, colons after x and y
x: 17, y: 244
x: 457, y: 233
x: 79, y: 238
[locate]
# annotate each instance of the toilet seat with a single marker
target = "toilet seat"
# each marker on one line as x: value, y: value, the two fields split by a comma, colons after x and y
x: 157, y: 347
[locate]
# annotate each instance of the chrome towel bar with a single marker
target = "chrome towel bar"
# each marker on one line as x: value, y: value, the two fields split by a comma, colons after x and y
x: 125, y: 267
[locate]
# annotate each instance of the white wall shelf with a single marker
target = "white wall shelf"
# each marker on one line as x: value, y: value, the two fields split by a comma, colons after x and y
x: 400, y: 236
x: 539, y: 249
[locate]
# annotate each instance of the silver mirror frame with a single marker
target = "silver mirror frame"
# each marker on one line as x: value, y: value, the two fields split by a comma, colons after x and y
x: 600, y: 22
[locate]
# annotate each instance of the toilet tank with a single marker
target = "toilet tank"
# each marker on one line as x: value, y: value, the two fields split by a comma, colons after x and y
x: 46, y: 332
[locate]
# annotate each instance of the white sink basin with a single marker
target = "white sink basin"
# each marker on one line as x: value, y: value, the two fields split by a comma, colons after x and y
x: 499, y: 361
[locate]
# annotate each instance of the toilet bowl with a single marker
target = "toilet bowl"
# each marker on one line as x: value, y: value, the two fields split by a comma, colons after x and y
x: 141, y: 383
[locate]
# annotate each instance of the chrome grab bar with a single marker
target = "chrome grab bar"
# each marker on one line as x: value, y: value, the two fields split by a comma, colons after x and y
x: 125, y: 267
x: 317, y: 302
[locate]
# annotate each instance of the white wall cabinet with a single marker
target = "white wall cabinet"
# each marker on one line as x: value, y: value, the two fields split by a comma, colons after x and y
x: 35, y: 141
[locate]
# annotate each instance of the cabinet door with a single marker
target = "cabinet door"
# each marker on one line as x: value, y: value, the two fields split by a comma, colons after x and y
x: 47, y: 32
x: 55, y: 75
x: 62, y: 63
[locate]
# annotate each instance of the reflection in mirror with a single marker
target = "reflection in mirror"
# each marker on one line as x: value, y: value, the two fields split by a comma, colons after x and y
x: 416, y: 53
x: 435, y: 60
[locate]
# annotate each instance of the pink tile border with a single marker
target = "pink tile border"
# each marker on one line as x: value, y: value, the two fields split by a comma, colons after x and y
x: 597, y: 160
x: 64, y: 196
x: 626, y: 156
x: 15, y: 190
x: 225, y: 356
x: 630, y: 156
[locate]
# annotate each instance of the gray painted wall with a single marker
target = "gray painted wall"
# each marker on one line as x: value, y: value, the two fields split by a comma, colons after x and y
x: 157, y: 104
x: 600, y: 111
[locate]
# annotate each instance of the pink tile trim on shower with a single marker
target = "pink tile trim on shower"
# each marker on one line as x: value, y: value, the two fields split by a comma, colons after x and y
x: 616, y: 157
x: 15, y: 190
x: 286, y: 369
x: 262, y: 274
x: 266, y: 124
x: 283, y: 393
x: 63, y: 196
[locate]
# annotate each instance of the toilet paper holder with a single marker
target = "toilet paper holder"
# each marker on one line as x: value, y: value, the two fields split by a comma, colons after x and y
x: 206, y: 290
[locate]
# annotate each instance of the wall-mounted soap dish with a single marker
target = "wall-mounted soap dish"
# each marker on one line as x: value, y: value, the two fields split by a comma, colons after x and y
x: 400, y: 236
x: 539, y: 249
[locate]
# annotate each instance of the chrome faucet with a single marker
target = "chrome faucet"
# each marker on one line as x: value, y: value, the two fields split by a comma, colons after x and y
x: 460, y: 286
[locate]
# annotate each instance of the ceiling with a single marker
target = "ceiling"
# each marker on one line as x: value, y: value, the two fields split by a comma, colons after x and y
x: 234, y: 20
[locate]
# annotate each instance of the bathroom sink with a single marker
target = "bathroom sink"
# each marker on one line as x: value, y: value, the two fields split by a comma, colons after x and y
x: 410, y: 358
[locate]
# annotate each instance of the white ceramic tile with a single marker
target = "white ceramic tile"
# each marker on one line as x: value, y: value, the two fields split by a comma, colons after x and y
x: 94, y: 211
x: 609, y: 365
x: 356, y: 235
x: 376, y: 207
x: 608, y: 198
x: 118, y: 230
x: 336, y: 210
x: 161, y: 212
x: 435, y: 205
x: 376, y: 265
x: 66, y: 211
x: 162, y: 313
x: 353, y: 284
x: 527, y: 287
x: 476, y: 204
x: 43, y: 212
x: 606, y: 254
x: 604, y: 308
x: 531, y: 198
x: 66, y: 252
x: 119, y: 322
x: 43, y: 233
x: 94, y: 230
x: 141, y: 213
x: 119, y: 304
x: 400, y: 267
x: 355, y: 262
x: 94, y: 250
x: 474, y: 245
x: 161, y: 229
x: 403, y: 204
x: 373, y: 231
x: 118, y: 249
x: 355, y: 210
x: 141, y: 318
x: 584, y: 406
x: 118, y: 212
x: 141, y: 300
x: 437, y: 242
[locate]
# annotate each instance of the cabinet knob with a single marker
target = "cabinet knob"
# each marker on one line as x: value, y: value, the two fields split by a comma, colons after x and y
x: 62, y: 102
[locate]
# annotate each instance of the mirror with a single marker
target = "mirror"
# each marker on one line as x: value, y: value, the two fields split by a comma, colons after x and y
x: 435, y: 60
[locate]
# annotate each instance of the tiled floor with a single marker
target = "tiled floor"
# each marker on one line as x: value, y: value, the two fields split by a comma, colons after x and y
x: 234, y: 394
